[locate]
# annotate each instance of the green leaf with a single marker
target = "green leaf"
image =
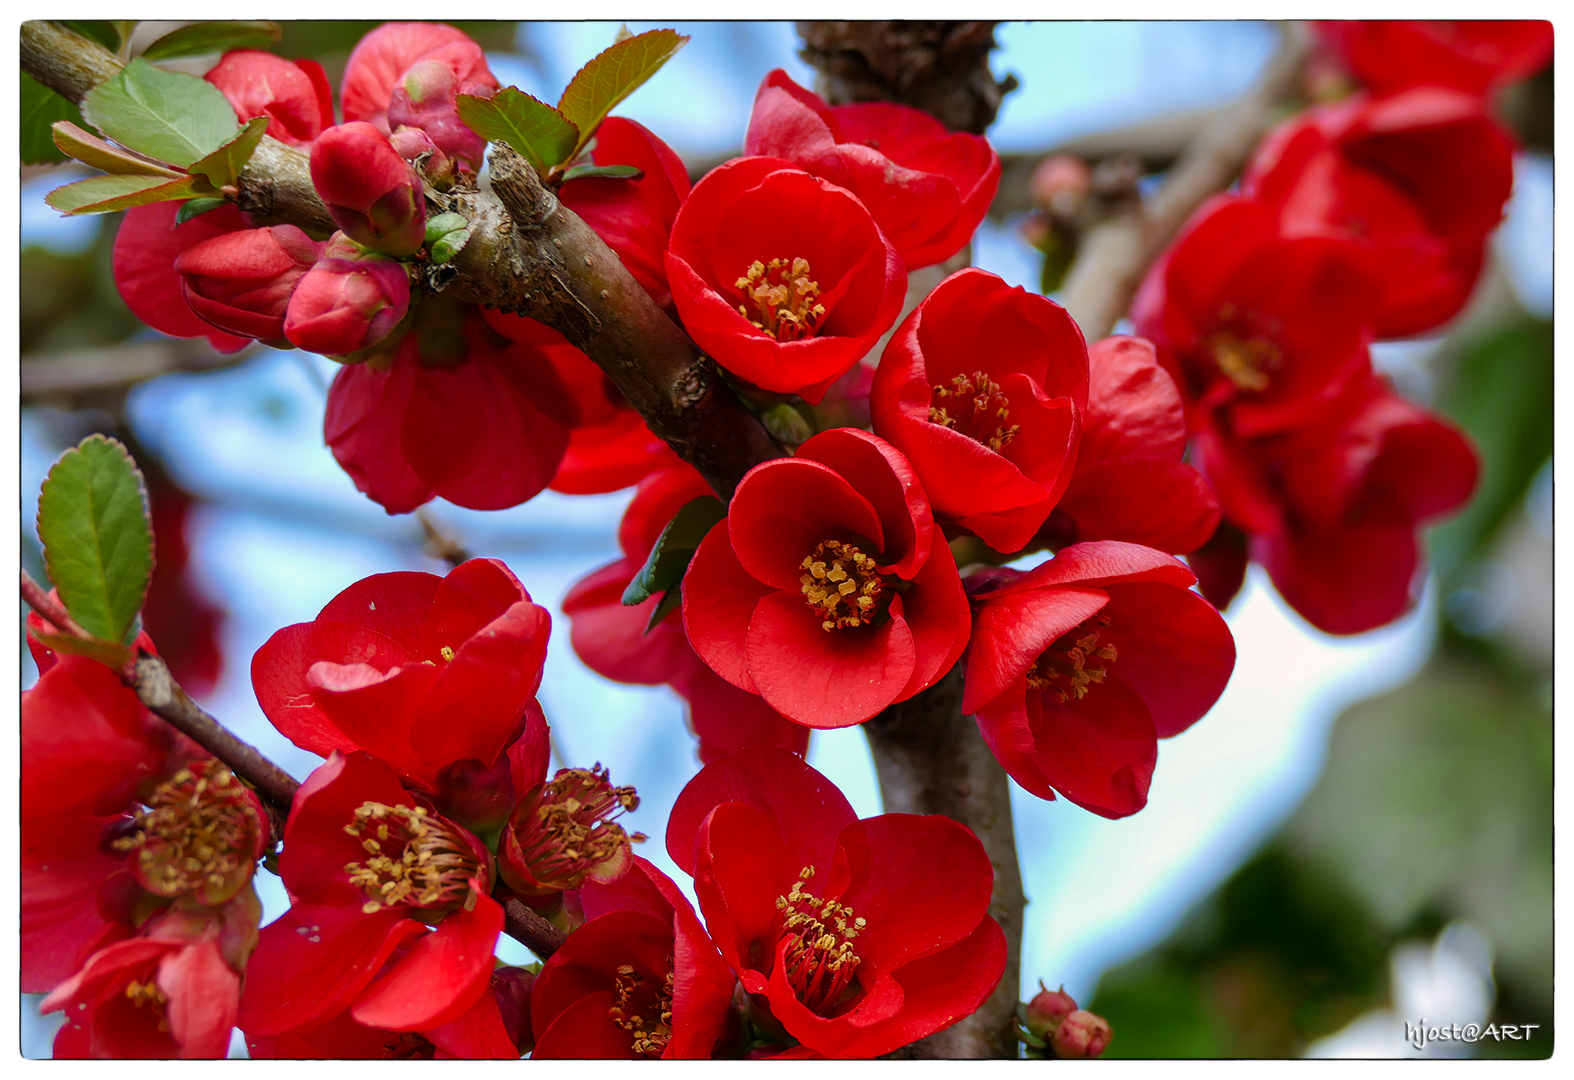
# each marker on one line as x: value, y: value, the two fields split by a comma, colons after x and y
x: 109, y: 653
x: 609, y: 172
x: 164, y: 114
x: 89, y: 149
x: 533, y: 128
x: 670, y: 601
x: 441, y: 225
x: 210, y: 38
x: 102, y: 194
x: 670, y: 556
x: 42, y: 108
x: 613, y: 75
x: 98, y: 543
x: 193, y: 207
x: 223, y: 166
x: 102, y: 31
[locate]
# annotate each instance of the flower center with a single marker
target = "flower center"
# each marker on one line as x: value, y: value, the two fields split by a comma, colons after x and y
x: 842, y: 584
x: 414, y: 858
x: 975, y: 406
x: 148, y: 995
x: 820, y: 961
x: 781, y: 299
x: 1247, y: 359
x: 1062, y: 670
x: 569, y: 827
x: 642, y: 1009
x: 199, y: 835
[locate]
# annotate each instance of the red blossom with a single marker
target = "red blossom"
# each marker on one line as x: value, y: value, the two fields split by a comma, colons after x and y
x: 983, y: 387
x: 421, y: 671
x: 1332, y: 508
x: 927, y: 187
x: 1418, y: 179
x: 1240, y: 313
x: 372, y: 193
x: 635, y: 216
x: 1474, y: 55
x: 857, y: 937
x: 485, y: 430
x: 369, y: 869
x: 612, y: 638
x: 1130, y: 482
x: 1079, y: 666
x: 828, y: 590
x: 564, y: 833
x: 343, y: 305
x: 242, y: 281
x: 293, y: 94
x: 782, y: 277
x: 381, y: 58
x: 146, y: 247
x: 640, y: 979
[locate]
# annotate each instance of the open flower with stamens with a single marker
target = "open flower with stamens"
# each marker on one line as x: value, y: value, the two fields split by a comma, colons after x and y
x: 827, y: 590
x: 564, y: 832
x: 640, y: 979
x: 857, y: 937
x: 420, y: 670
x: 369, y: 868
x: 782, y: 277
x: 200, y: 835
x: 1079, y: 666
x: 983, y: 388
x: 1273, y: 326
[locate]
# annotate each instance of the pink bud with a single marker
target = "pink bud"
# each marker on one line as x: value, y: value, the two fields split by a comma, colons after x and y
x: 426, y: 98
x: 372, y: 192
x: 242, y: 281
x: 345, y: 305
x: 1061, y: 182
x: 412, y: 142
x: 1081, y: 1035
x: 1047, y: 1009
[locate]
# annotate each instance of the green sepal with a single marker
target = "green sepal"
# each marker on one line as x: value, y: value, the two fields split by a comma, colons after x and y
x: 608, y: 172
x: 670, y: 555
x: 194, y: 207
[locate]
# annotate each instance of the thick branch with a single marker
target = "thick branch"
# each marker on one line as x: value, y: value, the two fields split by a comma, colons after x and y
x: 534, y: 932
x: 1114, y: 254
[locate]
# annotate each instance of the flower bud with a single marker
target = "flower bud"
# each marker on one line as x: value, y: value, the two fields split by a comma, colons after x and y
x: 345, y: 305
x: 438, y: 167
x: 1060, y: 183
x: 512, y: 986
x: 426, y: 98
x: 242, y: 281
x: 479, y: 798
x: 1047, y: 1009
x: 372, y: 192
x: 1081, y: 1035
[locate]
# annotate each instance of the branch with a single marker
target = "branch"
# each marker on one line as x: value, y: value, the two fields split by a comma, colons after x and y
x: 536, y: 933
x: 70, y: 375
x: 441, y: 543
x: 1115, y: 254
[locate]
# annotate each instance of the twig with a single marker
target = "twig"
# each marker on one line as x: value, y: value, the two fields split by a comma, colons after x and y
x: 88, y: 371
x: 441, y: 543
x: 1114, y: 254
x: 37, y: 599
x: 536, y: 933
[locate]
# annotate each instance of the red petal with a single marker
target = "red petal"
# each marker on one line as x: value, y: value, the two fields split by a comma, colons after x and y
x: 62, y: 873
x: 1102, y: 562
x: 1010, y: 632
x: 610, y: 637
x: 1173, y: 649
x: 726, y: 719
x: 1165, y: 505
x: 145, y: 249
x: 376, y: 710
x: 440, y: 978
x: 316, y: 845
x: 397, y: 605
x: 584, y: 1030
x: 880, y: 473
x: 1098, y: 751
x: 936, y: 611
x: 719, y: 598
x: 362, y: 427
x: 741, y: 868
x: 1343, y: 581
x: 785, y: 508
x: 204, y: 999
x: 1134, y: 409
x: 477, y: 1035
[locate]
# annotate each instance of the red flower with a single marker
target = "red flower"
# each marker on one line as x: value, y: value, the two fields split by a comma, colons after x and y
x: 485, y: 430
x: 983, y: 388
x: 634, y: 217
x: 1273, y: 325
x: 612, y: 639
x: 242, y: 281
x: 420, y: 670
x: 368, y: 868
x: 381, y: 58
x: 146, y: 247
x: 782, y: 277
x: 1332, y: 508
x: 1417, y: 179
x: 343, y: 305
x: 426, y: 98
x: 372, y: 192
x: 927, y: 187
x: 1475, y: 55
x: 293, y: 95
x: 1079, y: 666
x: 1130, y: 483
x: 564, y: 832
x: 829, y: 592
x: 857, y: 936
x: 640, y: 979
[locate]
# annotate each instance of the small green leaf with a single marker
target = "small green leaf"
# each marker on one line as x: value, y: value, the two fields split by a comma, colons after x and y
x: 613, y: 75
x: 211, y: 38
x: 608, y: 172
x: 102, y: 31
x: 223, y: 166
x: 443, y: 224
x: 450, y: 245
x: 193, y: 207
x: 670, y: 556
x: 98, y: 544
x: 166, y: 115
x: 544, y: 136
x: 42, y: 108
x: 109, y: 653
x: 669, y: 602
x: 89, y: 149
x: 102, y: 194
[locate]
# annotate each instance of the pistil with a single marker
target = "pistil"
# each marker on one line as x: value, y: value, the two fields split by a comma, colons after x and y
x: 781, y: 299
x: 975, y: 406
x: 819, y: 962
x: 843, y: 584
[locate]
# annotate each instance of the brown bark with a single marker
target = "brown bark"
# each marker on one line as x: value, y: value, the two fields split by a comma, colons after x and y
x: 526, y: 926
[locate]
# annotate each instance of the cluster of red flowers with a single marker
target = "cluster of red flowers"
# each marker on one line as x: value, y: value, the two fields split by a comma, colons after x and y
x: 1358, y: 220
